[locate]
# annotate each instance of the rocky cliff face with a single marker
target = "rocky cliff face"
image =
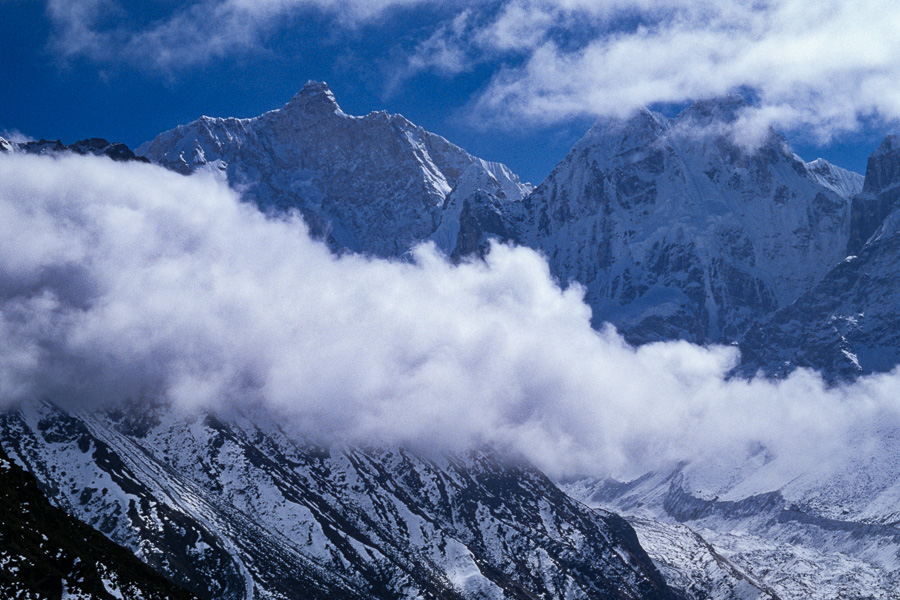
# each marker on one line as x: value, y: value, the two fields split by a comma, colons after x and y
x: 880, y: 194
x: 376, y: 184
x: 678, y: 232
x: 847, y: 324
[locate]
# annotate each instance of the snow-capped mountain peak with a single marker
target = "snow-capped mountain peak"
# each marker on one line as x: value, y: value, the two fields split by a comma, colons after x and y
x: 314, y: 97
x: 841, y: 181
x: 376, y: 184
x: 677, y: 231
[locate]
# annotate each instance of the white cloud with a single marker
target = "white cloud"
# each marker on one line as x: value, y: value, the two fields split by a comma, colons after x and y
x: 15, y: 136
x: 192, y: 35
x: 820, y: 65
x: 125, y: 281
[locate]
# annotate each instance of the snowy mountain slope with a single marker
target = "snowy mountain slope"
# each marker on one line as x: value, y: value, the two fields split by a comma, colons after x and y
x: 376, y: 184
x: 690, y: 564
x: 236, y: 508
x: 849, y: 323
x: 46, y: 554
x: 844, y: 183
x: 828, y: 530
x: 677, y: 232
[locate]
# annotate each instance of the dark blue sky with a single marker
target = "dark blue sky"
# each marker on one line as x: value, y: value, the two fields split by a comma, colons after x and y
x: 51, y: 95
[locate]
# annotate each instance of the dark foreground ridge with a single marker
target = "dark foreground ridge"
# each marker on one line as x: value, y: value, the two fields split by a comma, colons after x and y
x: 45, y: 553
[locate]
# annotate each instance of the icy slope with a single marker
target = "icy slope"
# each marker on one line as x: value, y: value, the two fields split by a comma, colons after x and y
x: 375, y: 184
x: 678, y: 232
x: 827, y: 531
x: 236, y: 508
x: 844, y: 183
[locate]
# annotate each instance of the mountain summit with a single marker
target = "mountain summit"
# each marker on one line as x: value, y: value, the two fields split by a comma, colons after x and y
x: 312, y: 97
x: 376, y: 184
x: 679, y: 232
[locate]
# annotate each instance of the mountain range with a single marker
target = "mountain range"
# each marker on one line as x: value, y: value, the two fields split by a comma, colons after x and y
x: 675, y: 227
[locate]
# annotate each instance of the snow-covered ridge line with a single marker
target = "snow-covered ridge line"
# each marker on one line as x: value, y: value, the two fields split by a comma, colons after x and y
x: 376, y: 184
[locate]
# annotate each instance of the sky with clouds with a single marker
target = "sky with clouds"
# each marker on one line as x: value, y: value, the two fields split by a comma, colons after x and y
x: 511, y: 80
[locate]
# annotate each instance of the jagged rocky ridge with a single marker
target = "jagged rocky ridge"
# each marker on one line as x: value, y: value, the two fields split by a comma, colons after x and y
x: 237, y: 508
x: 678, y: 232
x: 848, y: 324
x: 376, y: 184
x: 45, y: 554
x: 675, y: 230
x: 94, y: 146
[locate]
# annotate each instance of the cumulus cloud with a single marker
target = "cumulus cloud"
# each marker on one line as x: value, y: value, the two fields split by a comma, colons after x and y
x: 822, y: 68
x: 128, y: 282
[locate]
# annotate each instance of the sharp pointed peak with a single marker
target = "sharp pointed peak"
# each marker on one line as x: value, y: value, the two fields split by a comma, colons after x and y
x: 890, y: 144
x: 314, y: 95
x: 312, y: 87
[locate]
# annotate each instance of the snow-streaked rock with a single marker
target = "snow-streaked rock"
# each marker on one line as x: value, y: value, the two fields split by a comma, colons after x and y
x: 827, y: 531
x: 376, y: 184
x: 690, y: 564
x: 848, y: 324
x: 678, y: 232
x: 237, y: 508
x: 45, y: 554
x: 846, y: 184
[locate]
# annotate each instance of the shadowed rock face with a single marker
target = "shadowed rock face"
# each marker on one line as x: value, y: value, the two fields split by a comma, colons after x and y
x: 880, y: 195
x: 44, y: 551
x: 256, y: 510
x: 848, y: 324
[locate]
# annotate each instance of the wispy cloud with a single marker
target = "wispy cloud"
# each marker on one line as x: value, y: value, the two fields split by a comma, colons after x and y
x: 14, y: 135
x: 125, y: 281
x: 821, y: 66
x: 192, y: 34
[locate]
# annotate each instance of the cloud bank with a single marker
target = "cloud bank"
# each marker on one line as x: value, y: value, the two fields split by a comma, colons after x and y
x: 128, y: 282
